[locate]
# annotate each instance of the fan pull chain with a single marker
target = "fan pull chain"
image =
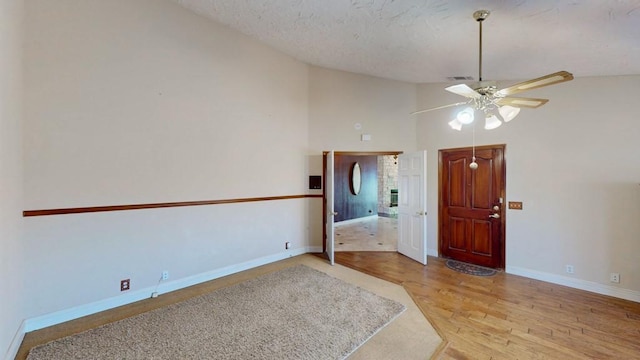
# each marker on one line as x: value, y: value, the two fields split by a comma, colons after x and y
x: 474, y: 164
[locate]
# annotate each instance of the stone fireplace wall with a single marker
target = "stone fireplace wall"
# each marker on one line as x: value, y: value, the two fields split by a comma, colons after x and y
x: 387, y: 180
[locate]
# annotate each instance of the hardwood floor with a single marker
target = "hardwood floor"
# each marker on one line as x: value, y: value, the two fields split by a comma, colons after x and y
x: 507, y: 316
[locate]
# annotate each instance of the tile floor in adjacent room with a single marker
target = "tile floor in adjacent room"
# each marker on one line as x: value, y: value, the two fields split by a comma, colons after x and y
x: 374, y: 233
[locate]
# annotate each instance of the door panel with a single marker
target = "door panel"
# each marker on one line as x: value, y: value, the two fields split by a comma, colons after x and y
x: 412, y: 196
x: 458, y: 233
x: 481, y: 242
x: 468, y: 200
x: 457, y: 194
x: 329, y: 208
x: 482, y: 180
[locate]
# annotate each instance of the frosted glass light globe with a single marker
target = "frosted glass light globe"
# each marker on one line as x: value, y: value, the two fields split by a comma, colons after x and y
x: 465, y: 116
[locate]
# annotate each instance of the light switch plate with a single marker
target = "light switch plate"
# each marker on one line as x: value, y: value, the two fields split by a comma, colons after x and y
x: 515, y: 205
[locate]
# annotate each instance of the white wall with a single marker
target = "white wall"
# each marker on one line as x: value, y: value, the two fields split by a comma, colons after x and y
x: 124, y: 93
x: 338, y: 100
x: 141, y: 102
x: 11, y: 248
x: 574, y: 163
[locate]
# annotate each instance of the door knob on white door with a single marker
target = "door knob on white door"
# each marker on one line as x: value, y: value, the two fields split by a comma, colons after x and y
x: 333, y: 213
x: 420, y: 213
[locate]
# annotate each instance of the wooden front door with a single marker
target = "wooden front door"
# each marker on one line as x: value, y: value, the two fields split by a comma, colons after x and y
x: 471, y: 205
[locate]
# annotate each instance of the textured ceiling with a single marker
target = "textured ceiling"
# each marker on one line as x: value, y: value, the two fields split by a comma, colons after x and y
x: 429, y: 41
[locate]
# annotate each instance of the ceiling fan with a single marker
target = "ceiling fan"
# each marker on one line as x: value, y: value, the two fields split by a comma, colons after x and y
x: 485, y: 97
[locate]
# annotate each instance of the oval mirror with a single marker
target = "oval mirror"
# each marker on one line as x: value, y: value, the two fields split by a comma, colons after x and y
x: 356, y: 179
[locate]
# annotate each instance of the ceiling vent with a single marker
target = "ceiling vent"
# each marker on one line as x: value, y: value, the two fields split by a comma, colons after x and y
x: 459, y: 78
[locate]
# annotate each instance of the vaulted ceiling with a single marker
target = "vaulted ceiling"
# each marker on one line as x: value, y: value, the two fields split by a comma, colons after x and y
x: 431, y: 40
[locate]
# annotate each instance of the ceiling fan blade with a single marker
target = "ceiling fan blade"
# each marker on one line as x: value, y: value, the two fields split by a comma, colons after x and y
x: 438, y: 108
x: 555, y: 78
x: 522, y: 102
x: 464, y: 90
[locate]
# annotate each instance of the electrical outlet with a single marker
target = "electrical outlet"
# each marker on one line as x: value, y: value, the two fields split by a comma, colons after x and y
x: 569, y: 269
x: 287, y: 245
x: 125, y: 284
x: 165, y: 275
x: 614, y: 277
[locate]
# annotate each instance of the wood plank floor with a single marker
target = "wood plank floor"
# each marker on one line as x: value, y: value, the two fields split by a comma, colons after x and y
x: 507, y: 316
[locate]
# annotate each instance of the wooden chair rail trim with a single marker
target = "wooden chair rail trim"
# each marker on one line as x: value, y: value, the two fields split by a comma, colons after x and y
x: 91, y: 209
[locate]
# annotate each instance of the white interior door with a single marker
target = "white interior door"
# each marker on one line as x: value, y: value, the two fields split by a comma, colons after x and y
x: 329, y: 196
x: 412, y: 206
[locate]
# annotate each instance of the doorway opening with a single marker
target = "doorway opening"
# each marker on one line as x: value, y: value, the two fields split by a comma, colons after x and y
x: 379, y: 231
x: 366, y: 221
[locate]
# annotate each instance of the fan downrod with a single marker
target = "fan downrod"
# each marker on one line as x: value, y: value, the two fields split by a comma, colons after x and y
x: 480, y: 15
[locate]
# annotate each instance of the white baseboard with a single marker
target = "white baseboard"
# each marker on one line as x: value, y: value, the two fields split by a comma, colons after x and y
x: 46, y: 320
x: 58, y: 317
x: 591, y: 286
x: 15, y: 343
x: 218, y: 273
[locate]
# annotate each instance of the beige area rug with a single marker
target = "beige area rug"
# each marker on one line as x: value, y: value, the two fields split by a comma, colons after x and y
x: 409, y: 336
x: 294, y: 313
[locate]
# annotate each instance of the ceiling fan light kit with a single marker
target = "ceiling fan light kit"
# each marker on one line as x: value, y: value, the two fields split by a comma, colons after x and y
x: 484, y: 96
x: 466, y: 116
x: 455, y: 124
x: 508, y: 112
x: 492, y: 122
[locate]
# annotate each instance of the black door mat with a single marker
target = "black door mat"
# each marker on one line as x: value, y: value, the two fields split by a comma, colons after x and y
x: 469, y: 269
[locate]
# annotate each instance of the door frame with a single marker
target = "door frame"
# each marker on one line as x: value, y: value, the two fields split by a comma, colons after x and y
x: 502, y: 190
x: 324, y: 182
